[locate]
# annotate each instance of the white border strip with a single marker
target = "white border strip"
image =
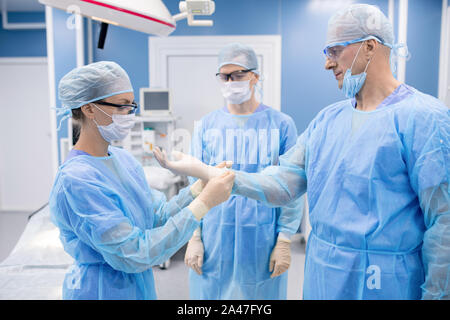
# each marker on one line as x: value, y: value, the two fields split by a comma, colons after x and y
x: 444, y: 54
x: 402, y: 37
x: 79, y: 33
x: 18, y: 25
x: 391, y: 12
x: 51, y: 86
x: 90, y: 46
x: 23, y: 60
x: 80, y: 49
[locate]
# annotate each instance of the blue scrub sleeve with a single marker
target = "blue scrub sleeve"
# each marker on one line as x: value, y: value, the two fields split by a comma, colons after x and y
x: 276, y: 186
x: 98, y: 220
x: 428, y: 161
x: 167, y: 209
x: 290, y: 215
x: 435, y: 203
x: 197, y: 149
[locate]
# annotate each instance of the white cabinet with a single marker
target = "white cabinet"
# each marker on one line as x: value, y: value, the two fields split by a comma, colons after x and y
x: 163, y: 127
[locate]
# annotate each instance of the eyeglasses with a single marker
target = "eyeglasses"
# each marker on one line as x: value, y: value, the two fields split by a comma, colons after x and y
x: 333, y: 52
x: 238, y: 75
x: 132, y: 107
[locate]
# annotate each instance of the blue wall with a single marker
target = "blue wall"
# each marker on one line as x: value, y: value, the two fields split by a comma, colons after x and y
x: 424, y: 36
x: 306, y: 86
x: 129, y: 49
x: 23, y: 43
x: 64, y: 54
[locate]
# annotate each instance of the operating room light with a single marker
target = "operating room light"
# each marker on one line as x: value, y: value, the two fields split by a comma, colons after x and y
x: 105, y: 21
x: 148, y: 16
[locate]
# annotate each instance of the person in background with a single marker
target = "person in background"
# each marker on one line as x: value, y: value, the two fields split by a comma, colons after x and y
x: 113, y: 225
x: 242, y: 248
x: 376, y: 169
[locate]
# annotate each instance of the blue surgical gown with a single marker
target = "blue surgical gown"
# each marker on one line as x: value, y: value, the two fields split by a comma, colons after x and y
x: 239, y: 235
x: 114, y: 226
x: 378, y: 194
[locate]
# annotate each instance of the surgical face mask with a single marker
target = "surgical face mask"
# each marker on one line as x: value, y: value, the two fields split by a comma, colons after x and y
x: 119, y: 128
x: 236, y: 92
x: 352, y: 84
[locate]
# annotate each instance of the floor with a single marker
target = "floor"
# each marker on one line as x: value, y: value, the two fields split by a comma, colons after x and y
x: 173, y: 283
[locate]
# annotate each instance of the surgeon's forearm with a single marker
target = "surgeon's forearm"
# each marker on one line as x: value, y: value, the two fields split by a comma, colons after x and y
x: 174, y: 205
x: 137, y: 250
x: 203, y: 171
x: 435, y: 205
x: 436, y: 255
x: 291, y: 216
x: 274, y: 189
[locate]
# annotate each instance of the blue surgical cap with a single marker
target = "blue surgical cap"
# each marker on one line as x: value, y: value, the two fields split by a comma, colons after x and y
x: 359, y: 21
x: 240, y: 55
x: 92, y: 82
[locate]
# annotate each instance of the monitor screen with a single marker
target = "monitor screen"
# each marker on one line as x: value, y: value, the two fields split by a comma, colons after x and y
x: 156, y: 100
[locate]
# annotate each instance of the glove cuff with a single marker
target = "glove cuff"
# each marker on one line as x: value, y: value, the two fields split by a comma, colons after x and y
x: 198, y: 208
x: 197, y: 232
x: 284, y: 236
x: 283, y: 240
x: 196, y: 188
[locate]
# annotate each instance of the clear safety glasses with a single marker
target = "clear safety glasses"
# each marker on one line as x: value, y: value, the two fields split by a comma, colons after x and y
x: 238, y: 75
x: 334, y: 51
x: 130, y: 107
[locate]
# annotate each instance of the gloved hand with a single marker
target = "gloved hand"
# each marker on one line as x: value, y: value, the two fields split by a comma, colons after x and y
x: 194, y: 253
x: 184, y: 164
x: 280, y: 258
x: 216, y: 191
x: 197, y: 186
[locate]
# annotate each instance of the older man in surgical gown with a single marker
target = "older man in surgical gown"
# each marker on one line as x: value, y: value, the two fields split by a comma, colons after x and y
x: 376, y: 167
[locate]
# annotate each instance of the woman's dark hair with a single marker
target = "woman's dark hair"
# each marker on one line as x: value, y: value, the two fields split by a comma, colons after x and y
x: 77, y: 115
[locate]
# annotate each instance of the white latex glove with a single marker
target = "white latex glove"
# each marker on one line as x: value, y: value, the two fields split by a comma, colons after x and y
x: 280, y: 258
x: 216, y: 191
x: 197, y: 186
x: 184, y: 164
x: 194, y: 253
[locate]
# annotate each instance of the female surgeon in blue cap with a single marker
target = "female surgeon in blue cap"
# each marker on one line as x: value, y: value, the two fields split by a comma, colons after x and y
x: 113, y: 225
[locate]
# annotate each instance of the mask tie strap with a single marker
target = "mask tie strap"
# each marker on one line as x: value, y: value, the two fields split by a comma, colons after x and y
x: 354, y: 59
x: 101, y: 110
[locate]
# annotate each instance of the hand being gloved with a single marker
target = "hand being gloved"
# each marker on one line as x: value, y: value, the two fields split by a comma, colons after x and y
x: 184, y: 164
x: 194, y: 253
x: 195, y: 250
x: 280, y: 258
x: 216, y: 191
x: 197, y: 186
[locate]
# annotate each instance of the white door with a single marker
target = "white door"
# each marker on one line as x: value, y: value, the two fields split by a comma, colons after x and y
x: 187, y: 66
x: 25, y: 145
x: 195, y: 91
x: 444, y: 61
